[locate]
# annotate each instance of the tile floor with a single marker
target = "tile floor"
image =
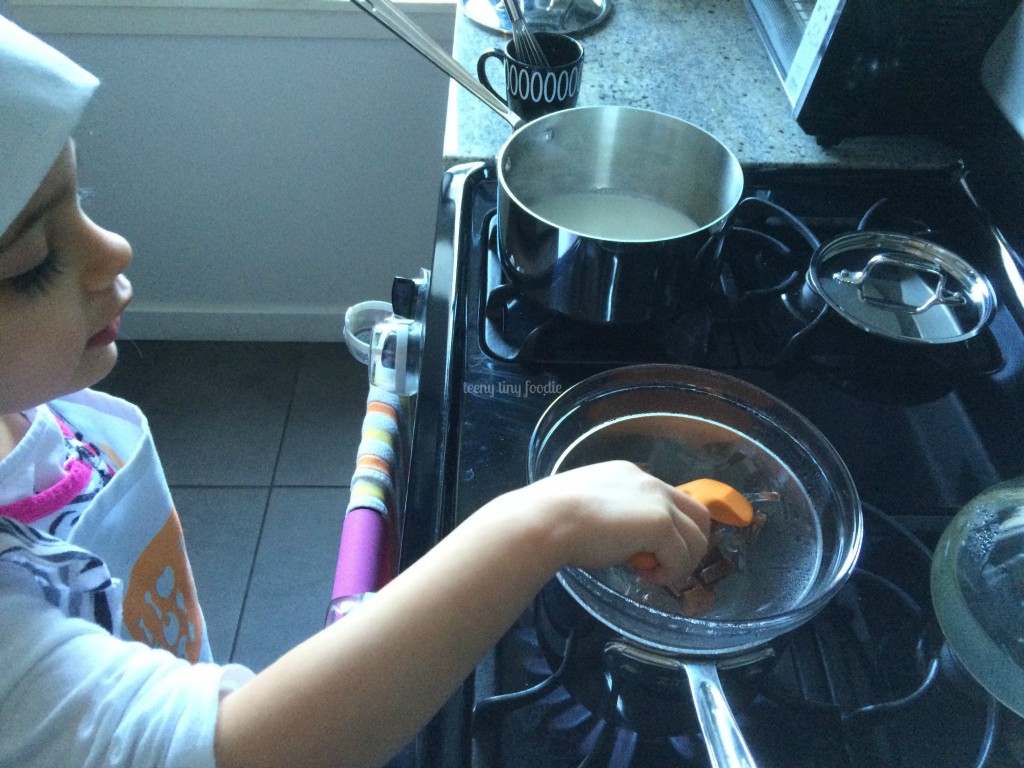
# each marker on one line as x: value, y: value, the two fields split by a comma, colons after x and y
x: 258, y: 442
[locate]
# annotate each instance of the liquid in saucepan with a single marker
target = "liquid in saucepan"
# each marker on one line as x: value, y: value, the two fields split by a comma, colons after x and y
x: 613, y: 215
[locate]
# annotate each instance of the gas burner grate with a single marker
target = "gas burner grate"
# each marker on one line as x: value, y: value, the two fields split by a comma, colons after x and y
x: 912, y: 444
x: 515, y: 329
x: 850, y: 689
x: 756, y: 314
x: 756, y: 271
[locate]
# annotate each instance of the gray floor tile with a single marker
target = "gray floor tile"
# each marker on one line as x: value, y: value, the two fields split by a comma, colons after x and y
x: 231, y: 420
x: 217, y: 409
x: 324, y: 422
x: 293, y: 574
x: 221, y: 527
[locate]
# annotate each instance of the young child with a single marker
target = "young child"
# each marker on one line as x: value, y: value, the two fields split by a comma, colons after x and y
x: 103, y: 654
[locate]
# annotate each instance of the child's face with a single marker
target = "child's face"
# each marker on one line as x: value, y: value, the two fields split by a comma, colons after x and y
x: 62, y: 293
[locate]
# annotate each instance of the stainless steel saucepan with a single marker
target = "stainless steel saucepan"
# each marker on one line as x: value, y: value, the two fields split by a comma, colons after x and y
x: 602, y: 211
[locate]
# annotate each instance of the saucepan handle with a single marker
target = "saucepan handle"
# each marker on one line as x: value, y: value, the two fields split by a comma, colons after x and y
x: 726, y: 745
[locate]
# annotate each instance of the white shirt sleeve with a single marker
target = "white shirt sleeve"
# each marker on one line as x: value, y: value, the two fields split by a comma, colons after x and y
x: 71, y: 694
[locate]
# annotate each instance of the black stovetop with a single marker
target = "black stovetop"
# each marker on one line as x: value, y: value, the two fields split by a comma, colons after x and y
x: 921, y: 430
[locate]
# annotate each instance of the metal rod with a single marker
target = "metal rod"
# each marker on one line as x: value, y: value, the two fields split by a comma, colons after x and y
x: 389, y: 16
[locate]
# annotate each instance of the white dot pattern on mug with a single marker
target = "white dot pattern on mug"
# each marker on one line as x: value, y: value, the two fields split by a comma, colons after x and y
x: 544, y: 87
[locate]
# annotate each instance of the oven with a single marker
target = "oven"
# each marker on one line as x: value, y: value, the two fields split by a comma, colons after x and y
x: 923, y: 429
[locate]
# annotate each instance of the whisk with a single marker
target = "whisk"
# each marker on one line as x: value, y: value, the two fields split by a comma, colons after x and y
x: 526, y: 44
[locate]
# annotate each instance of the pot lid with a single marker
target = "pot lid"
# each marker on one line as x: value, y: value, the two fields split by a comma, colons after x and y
x: 901, y: 287
x: 977, y: 585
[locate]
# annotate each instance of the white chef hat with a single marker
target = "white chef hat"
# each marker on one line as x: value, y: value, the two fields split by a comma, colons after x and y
x: 42, y: 96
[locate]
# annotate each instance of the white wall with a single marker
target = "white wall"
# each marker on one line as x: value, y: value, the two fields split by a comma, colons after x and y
x: 266, y: 183
x: 1003, y: 70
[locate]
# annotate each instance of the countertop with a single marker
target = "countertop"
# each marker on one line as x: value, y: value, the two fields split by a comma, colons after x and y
x: 700, y: 60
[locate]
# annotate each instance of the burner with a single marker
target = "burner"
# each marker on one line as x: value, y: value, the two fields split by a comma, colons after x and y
x: 616, y: 683
x: 758, y: 265
x: 516, y: 329
x: 758, y: 313
x: 867, y: 682
x: 850, y: 688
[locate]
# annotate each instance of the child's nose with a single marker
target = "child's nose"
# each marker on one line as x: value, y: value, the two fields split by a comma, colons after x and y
x: 110, y: 254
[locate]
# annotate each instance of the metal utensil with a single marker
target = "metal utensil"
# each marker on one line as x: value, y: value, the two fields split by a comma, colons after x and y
x: 725, y: 503
x: 389, y: 16
x: 527, y: 47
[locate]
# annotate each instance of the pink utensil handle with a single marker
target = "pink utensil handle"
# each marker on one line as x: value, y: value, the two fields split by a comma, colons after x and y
x: 364, y: 555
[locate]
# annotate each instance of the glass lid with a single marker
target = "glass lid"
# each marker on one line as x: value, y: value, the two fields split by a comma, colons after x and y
x: 978, y: 590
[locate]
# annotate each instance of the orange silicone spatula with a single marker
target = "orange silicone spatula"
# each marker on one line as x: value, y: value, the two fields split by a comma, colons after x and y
x: 725, y: 505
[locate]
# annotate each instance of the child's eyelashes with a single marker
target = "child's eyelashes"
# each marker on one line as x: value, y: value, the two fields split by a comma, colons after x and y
x: 35, y: 281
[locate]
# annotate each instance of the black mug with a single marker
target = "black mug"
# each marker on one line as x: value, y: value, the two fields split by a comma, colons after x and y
x: 532, y: 91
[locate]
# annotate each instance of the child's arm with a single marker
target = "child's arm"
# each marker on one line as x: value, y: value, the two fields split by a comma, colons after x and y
x: 356, y: 692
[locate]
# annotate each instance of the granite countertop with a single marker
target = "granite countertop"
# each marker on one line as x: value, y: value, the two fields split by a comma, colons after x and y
x: 700, y: 60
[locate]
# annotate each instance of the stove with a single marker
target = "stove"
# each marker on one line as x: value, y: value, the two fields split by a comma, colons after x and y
x: 868, y: 682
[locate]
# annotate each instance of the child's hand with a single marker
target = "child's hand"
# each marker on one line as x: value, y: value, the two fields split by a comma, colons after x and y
x: 425, y: 631
x: 603, y: 514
